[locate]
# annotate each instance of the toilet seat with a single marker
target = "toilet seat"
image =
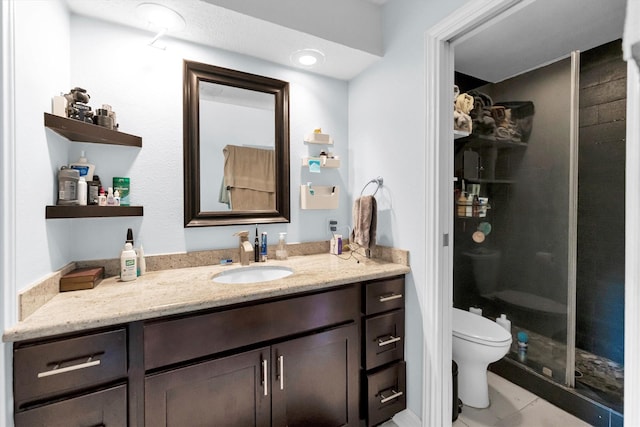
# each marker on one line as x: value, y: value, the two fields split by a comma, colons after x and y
x: 478, y: 329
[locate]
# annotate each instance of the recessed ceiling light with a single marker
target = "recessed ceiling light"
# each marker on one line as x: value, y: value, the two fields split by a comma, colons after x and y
x: 160, y: 17
x: 307, y: 58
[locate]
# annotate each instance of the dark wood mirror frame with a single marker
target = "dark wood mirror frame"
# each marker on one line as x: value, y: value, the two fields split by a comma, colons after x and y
x: 194, y: 73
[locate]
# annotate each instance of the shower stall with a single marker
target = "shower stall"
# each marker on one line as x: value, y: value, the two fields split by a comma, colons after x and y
x: 547, y: 250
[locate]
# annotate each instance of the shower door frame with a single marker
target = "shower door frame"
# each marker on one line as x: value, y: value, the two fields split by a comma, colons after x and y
x: 437, y: 292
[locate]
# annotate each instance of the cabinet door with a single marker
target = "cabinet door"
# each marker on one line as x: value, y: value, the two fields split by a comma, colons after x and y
x: 227, y: 392
x: 315, y: 380
x: 106, y: 408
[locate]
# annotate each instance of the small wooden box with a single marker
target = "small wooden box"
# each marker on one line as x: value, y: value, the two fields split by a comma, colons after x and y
x: 81, y: 278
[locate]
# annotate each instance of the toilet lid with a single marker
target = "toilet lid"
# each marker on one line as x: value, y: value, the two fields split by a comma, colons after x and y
x: 475, y: 328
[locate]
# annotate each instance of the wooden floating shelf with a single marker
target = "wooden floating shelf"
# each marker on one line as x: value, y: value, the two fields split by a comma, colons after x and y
x: 78, y: 131
x: 53, y: 212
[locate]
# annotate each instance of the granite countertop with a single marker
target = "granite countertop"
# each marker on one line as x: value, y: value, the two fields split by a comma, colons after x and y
x: 168, y: 292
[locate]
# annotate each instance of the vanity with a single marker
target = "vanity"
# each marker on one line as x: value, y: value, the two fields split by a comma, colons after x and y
x: 323, y: 346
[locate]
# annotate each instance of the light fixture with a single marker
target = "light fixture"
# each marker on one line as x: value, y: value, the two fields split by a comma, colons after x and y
x: 307, y: 58
x: 161, y: 19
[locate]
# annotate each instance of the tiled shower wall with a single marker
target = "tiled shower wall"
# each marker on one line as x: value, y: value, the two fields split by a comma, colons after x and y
x: 601, y: 192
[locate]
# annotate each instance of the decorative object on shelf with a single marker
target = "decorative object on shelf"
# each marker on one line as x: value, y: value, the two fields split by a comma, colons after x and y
x: 317, y: 137
x: 509, y: 121
x: 462, y: 107
x: 77, y: 105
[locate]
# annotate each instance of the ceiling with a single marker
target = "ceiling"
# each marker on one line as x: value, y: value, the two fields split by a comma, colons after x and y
x: 528, y: 35
x: 536, y: 33
x: 284, y: 29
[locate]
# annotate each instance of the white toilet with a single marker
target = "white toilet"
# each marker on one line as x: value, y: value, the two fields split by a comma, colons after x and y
x: 477, y: 341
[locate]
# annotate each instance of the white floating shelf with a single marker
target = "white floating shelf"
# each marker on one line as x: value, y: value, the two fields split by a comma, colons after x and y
x: 323, y: 197
x: 318, y: 138
x: 327, y: 163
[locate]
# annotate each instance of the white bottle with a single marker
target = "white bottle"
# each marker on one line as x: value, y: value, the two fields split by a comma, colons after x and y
x: 504, y: 322
x: 110, y: 198
x: 142, y: 264
x: 128, y: 263
x: 82, y: 191
x: 281, y: 251
x: 116, y: 198
x: 85, y: 168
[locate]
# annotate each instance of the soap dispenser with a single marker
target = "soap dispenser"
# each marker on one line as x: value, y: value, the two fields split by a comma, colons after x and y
x: 281, y: 251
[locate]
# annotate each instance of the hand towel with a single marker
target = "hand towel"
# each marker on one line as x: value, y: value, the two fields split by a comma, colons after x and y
x: 365, y: 219
x: 249, y: 174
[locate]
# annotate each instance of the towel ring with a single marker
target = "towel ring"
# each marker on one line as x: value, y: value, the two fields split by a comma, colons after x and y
x: 379, y: 180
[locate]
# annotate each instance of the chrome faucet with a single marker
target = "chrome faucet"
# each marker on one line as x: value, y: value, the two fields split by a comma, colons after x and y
x: 246, y: 249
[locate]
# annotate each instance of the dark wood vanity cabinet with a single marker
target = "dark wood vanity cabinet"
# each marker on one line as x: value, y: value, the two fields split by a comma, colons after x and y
x: 307, y: 374
x: 77, y: 381
x: 306, y: 381
x: 383, y: 373
x: 325, y: 358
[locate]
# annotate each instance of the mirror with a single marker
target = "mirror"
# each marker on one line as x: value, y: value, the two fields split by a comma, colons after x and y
x: 236, y: 147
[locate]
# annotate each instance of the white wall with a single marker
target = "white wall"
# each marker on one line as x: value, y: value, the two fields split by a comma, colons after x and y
x: 43, y: 31
x: 144, y: 86
x: 386, y: 138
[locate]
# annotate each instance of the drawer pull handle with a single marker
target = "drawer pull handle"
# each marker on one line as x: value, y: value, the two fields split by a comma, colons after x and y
x: 281, y: 361
x: 391, y: 297
x: 391, y: 340
x: 57, y: 370
x: 265, y: 377
x: 394, y: 395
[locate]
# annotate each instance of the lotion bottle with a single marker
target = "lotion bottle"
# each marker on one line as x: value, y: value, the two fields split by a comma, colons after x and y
x: 128, y: 263
x: 85, y: 168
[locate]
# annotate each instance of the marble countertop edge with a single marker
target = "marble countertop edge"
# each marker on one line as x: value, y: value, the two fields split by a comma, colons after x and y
x: 185, y: 290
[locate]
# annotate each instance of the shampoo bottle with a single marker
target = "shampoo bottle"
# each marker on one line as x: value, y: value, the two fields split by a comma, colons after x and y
x: 281, y: 251
x: 128, y: 263
x: 85, y: 168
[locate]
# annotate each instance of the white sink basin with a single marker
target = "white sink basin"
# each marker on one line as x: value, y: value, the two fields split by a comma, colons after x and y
x: 253, y: 274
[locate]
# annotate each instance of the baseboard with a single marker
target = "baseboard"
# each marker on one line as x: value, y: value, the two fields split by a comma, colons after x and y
x: 407, y: 418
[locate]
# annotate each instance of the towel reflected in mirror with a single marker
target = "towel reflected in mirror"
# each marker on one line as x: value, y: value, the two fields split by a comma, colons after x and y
x: 249, y: 178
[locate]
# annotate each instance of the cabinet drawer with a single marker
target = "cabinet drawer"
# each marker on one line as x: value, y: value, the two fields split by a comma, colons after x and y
x: 383, y: 295
x: 384, y: 338
x: 54, y: 368
x: 105, y: 408
x: 174, y: 341
x: 386, y: 393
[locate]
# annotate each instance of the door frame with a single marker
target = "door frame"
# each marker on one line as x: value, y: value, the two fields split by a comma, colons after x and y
x: 438, y: 285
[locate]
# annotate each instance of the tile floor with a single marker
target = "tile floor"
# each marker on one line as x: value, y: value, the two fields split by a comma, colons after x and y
x: 513, y: 406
